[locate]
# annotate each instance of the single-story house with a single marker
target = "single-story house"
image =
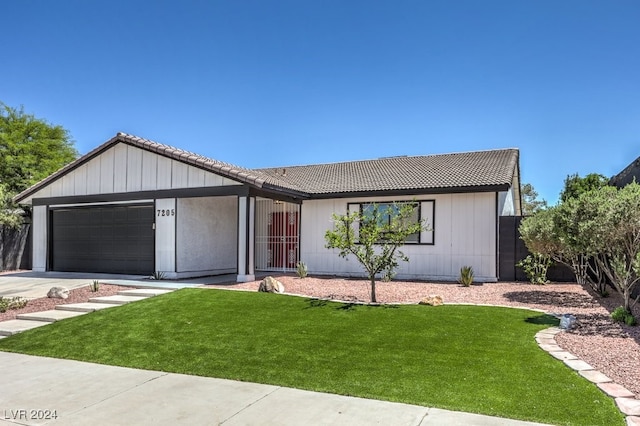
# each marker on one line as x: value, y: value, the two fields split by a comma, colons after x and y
x: 136, y: 206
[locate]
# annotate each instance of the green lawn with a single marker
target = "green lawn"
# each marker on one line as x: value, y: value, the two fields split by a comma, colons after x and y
x: 476, y: 359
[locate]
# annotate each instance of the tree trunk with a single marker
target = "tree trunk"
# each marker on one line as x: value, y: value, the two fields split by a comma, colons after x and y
x: 626, y: 294
x: 373, y: 290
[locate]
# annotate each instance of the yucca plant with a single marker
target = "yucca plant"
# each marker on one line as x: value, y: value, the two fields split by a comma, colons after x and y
x: 157, y: 275
x: 94, y: 286
x: 466, y: 276
x: 301, y: 269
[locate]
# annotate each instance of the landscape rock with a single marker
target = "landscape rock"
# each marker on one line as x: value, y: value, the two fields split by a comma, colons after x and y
x: 271, y: 285
x: 58, y: 293
x: 433, y: 300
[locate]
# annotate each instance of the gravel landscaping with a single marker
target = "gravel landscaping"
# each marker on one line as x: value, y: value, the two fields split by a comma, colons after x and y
x: 78, y: 295
x: 609, y: 347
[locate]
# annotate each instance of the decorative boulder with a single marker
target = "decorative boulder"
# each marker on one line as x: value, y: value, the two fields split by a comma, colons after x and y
x: 58, y: 293
x: 432, y: 300
x: 271, y: 285
x: 567, y: 321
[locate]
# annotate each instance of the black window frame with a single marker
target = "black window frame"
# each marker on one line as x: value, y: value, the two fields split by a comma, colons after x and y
x: 428, y: 235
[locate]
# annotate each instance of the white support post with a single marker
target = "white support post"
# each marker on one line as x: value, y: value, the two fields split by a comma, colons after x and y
x: 246, y: 214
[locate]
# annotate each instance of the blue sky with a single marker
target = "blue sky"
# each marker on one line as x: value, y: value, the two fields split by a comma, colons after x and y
x: 274, y: 83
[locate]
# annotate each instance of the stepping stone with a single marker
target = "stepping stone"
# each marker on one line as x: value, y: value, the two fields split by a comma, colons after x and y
x: 49, y: 316
x: 563, y: 355
x: 551, y: 348
x: 546, y: 341
x: 633, y: 421
x: 15, y: 326
x: 595, y: 376
x: 144, y: 292
x: 116, y: 299
x: 85, y: 307
x: 578, y: 364
x: 629, y: 406
x: 615, y: 390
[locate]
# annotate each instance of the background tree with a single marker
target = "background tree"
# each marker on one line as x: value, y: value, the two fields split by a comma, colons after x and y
x: 575, y: 185
x: 374, y: 237
x: 9, y: 215
x: 530, y: 202
x: 30, y: 149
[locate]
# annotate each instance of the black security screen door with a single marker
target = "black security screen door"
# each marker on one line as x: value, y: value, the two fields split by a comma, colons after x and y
x: 111, y: 239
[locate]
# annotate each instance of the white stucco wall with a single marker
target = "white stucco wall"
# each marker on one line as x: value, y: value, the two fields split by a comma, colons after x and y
x: 464, y: 234
x: 206, y: 236
x: 505, y: 203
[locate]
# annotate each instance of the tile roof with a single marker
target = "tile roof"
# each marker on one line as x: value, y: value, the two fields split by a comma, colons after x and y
x: 488, y: 170
x: 482, y: 170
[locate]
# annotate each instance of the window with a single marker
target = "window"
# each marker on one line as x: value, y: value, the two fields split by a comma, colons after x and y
x: 424, y: 210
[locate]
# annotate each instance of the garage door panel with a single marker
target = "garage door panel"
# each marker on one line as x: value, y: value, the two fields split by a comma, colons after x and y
x: 115, y: 239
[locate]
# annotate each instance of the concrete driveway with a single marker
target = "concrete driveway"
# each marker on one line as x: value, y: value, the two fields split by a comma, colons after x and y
x: 32, y: 285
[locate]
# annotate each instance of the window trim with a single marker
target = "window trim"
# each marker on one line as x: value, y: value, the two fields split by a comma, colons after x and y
x: 428, y: 235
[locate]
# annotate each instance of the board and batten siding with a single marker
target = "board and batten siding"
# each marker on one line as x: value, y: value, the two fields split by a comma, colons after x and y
x: 464, y: 234
x: 125, y: 168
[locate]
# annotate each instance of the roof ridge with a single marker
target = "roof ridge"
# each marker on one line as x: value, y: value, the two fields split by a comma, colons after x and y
x: 392, y: 157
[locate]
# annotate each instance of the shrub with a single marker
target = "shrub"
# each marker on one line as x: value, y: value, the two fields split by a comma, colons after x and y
x: 94, y: 286
x: 301, y: 269
x: 535, y: 267
x: 622, y: 315
x: 157, y: 275
x: 466, y: 276
x: 7, y: 303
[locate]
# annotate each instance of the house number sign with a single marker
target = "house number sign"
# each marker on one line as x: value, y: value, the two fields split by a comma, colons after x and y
x: 166, y: 212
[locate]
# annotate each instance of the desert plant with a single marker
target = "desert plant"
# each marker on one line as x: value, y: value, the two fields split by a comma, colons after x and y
x: 301, y: 269
x: 94, y: 286
x: 466, y: 276
x: 7, y: 303
x: 620, y: 314
x: 535, y: 266
x: 388, y: 275
x: 157, y: 275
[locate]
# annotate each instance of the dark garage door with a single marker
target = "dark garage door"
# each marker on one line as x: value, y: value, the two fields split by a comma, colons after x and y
x: 113, y: 239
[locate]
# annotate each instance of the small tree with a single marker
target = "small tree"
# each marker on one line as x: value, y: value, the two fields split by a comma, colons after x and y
x: 616, y: 234
x: 374, y: 236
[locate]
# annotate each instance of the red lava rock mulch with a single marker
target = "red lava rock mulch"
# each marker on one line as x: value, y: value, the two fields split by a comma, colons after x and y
x: 78, y: 295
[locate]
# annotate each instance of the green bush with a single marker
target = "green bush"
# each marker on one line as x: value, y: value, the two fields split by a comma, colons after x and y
x: 7, y: 303
x: 621, y: 315
x: 536, y: 266
x: 466, y: 276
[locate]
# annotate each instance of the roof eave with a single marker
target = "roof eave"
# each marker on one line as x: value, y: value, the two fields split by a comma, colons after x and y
x: 186, y: 158
x: 414, y: 191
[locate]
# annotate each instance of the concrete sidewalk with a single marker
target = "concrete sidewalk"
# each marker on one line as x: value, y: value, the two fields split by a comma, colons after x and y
x: 81, y: 393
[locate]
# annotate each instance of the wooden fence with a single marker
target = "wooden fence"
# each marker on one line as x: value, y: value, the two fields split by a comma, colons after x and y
x: 511, y: 250
x: 15, y: 247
